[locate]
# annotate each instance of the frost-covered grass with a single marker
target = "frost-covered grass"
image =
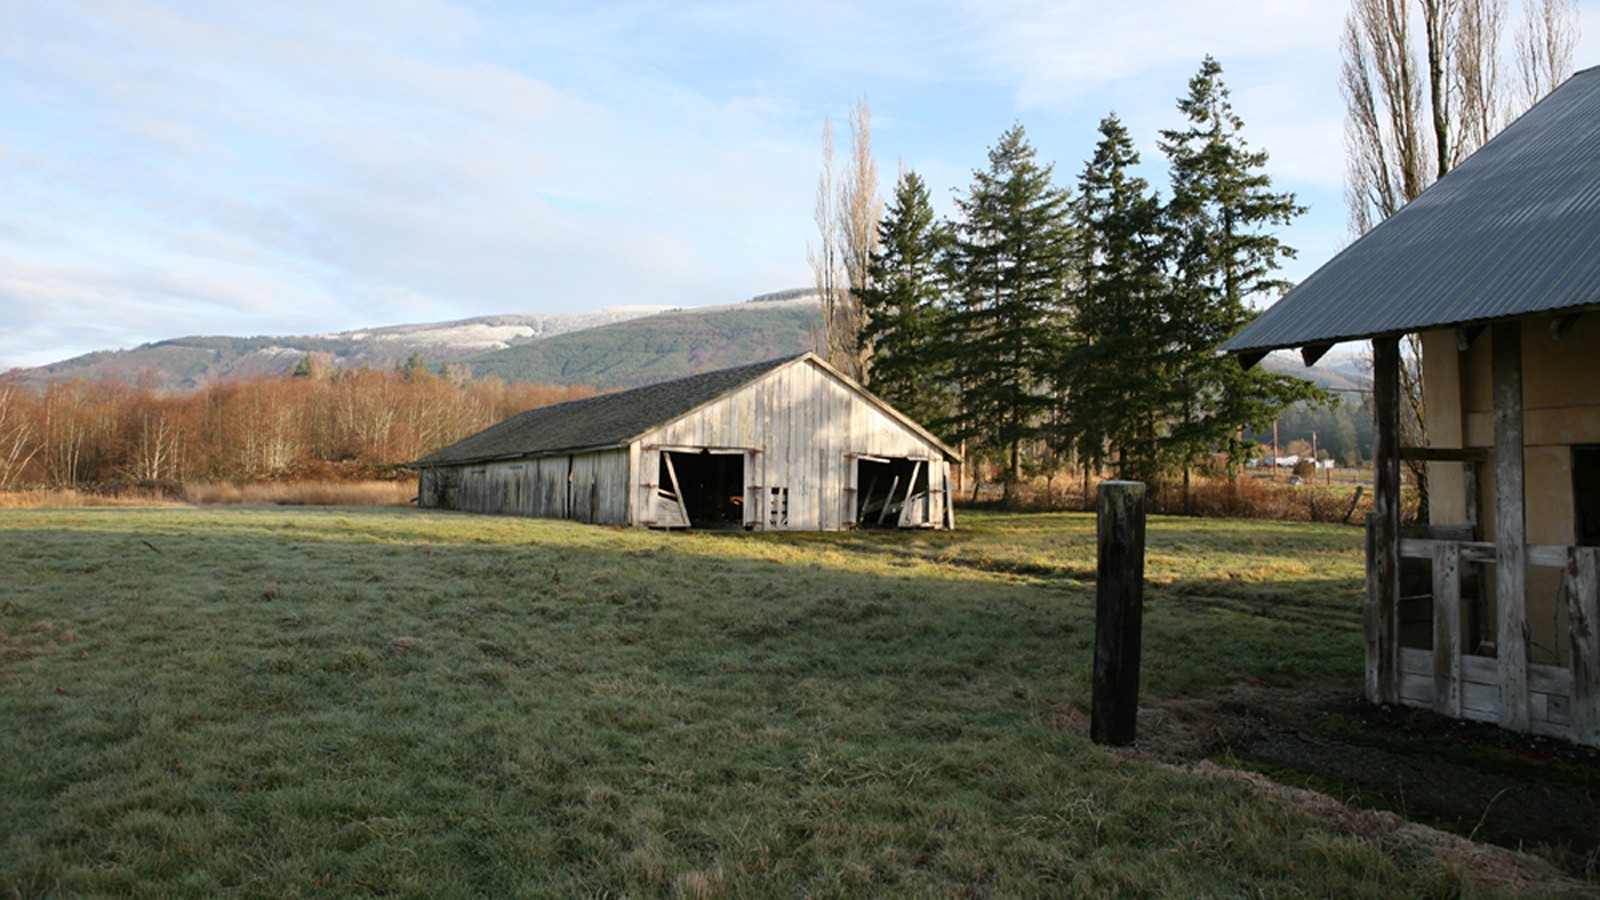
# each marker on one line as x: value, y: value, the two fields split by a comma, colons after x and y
x: 327, y: 702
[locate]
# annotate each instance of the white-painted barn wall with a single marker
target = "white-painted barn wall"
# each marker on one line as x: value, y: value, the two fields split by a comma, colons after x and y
x: 800, y: 427
x: 804, y: 422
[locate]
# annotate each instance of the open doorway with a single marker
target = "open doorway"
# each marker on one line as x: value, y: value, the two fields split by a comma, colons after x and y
x: 708, y: 488
x: 892, y: 493
x: 1586, y: 495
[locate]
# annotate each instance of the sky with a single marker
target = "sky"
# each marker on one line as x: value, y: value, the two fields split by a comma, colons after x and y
x: 250, y: 168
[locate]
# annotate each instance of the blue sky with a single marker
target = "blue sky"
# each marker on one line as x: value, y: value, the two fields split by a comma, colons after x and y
x: 218, y: 167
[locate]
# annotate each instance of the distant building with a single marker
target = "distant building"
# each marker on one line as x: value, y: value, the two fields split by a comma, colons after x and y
x: 785, y: 445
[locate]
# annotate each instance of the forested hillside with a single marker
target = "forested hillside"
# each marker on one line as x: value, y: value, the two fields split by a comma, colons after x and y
x: 664, y: 346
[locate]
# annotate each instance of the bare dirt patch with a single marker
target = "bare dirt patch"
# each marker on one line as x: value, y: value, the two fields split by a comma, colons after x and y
x: 1517, y: 810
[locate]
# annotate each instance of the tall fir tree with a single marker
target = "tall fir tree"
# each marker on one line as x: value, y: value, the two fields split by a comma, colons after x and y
x: 1012, y: 262
x: 1118, y: 369
x: 905, y: 327
x: 1224, y: 252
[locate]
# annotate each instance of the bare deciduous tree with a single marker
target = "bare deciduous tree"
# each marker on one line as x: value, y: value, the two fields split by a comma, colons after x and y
x: 826, y: 268
x: 17, y: 447
x: 860, y: 210
x: 1385, y: 144
x: 847, y: 214
x: 1397, y: 143
x: 1477, y: 45
x: 1544, y: 47
x: 1409, y: 121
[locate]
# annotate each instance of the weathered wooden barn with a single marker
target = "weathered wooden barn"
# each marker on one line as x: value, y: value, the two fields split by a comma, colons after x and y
x: 1488, y: 611
x: 785, y: 445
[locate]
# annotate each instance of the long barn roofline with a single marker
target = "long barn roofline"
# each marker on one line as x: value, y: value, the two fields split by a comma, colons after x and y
x: 620, y: 418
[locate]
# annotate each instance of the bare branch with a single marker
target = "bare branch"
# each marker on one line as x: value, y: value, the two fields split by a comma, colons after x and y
x: 847, y: 214
x: 824, y: 257
x: 1544, y: 47
x: 1476, y: 45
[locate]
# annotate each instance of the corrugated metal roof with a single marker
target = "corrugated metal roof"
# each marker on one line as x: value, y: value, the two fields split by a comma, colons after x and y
x: 1514, y: 229
x: 614, y: 420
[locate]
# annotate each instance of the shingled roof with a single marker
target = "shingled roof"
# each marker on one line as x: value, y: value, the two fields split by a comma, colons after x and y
x: 1514, y: 229
x: 609, y: 420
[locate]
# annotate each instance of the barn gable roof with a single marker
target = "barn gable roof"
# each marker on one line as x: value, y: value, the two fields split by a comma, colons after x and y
x: 615, y: 420
x: 1513, y: 230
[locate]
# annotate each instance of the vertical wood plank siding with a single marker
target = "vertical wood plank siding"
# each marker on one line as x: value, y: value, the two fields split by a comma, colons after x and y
x: 1558, y: 701
x: 589, y: 487
x: 800, y: 426
x: 804, y: 422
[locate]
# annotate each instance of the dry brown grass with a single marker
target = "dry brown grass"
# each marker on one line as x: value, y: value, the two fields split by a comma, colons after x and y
x: 304, y: 493
x: 299, y: 493
x: 53, y: 499
x: 1253, y: 498
x: 1246, y: 498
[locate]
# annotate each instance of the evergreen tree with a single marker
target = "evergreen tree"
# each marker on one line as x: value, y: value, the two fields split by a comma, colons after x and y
x: 1223, y: 253
x: 904, y: 327
x: 413, y: 368
x: 1012, y: 263
x: 310, y: 366
x: 1118, y: 369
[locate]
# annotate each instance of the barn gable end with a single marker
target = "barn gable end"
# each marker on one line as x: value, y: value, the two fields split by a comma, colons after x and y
x: 790, y: 444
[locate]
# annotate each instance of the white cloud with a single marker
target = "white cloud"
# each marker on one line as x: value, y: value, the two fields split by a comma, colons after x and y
x: 232, y: 166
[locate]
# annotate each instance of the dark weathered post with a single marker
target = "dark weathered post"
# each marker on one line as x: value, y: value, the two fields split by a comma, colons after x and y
x: 1119, y: 613
x: 1381, y: 613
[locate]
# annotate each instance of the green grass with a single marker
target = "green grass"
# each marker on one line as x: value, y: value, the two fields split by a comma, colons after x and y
x: 328, y: 702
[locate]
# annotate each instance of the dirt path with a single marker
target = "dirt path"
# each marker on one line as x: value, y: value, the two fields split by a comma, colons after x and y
x: 1520, y: 793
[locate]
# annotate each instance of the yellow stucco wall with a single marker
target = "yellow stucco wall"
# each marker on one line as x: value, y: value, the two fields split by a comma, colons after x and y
x: 1561, y: 399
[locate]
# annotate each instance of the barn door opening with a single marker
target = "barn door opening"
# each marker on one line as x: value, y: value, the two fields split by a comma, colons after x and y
x: 892, y: 493
x: 708, y: 487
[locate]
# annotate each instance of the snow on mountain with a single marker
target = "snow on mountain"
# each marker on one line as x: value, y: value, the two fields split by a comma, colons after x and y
x: 498, y: 331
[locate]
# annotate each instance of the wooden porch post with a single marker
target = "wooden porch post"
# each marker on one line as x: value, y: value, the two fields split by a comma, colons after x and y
x: 1583, y: 630
x: 1381, y: 617
x: 1510, y: 526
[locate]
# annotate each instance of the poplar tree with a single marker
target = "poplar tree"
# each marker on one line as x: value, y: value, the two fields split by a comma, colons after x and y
x: 904, y: 330
x: 847, y: 214
x: 1011, y: 259
x: 1398, y: 140
x: 1223, y: 251
x: 1118, y: 369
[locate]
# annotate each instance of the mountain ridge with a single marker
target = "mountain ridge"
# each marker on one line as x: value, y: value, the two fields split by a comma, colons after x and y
x: 194, y: 361
x: 608, y: 349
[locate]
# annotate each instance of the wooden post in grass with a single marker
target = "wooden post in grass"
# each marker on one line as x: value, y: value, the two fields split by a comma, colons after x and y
x: 1119, y: 613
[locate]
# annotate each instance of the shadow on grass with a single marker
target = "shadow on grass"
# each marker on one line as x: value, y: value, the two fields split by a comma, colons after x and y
x: 285, y: 701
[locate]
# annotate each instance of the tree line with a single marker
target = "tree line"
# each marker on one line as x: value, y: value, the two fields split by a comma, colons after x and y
x: 313, y: 421
x: 1047, y: 328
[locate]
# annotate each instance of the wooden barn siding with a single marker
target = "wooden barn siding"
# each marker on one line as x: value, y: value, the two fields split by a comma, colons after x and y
x: 804, y: 422
x: 430, y: 488
x: 591, y: 487
x: 550, y: 494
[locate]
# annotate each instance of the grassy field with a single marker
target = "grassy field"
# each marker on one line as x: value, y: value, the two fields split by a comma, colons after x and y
x: 322, y: 702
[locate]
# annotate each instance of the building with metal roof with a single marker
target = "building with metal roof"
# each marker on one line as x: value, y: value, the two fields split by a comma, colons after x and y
x: 786, y: 444
x: 1488, y: 610
x: 1513, y: 230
